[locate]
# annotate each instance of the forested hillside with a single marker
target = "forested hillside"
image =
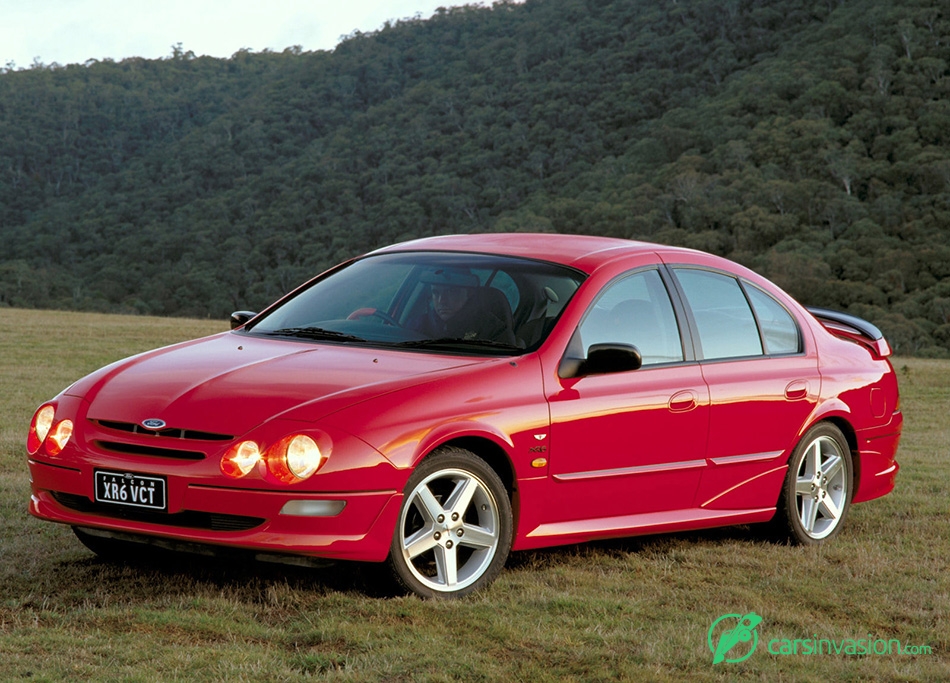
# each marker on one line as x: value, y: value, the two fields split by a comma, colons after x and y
x: 807, y: 139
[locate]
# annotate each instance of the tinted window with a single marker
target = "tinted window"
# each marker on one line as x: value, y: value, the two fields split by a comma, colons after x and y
x: 635, y: 310
x: 501, y: 280
x: 778, y: 327
x: 724, y: 320
x: 438, y: 301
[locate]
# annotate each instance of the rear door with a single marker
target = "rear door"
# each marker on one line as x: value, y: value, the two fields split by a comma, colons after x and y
x: 762, y: 385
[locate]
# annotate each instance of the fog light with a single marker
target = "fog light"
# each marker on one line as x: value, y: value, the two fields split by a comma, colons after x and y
x: 313, y: 508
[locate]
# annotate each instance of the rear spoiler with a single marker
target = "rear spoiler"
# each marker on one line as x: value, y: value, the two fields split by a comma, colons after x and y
x: 854, y: 329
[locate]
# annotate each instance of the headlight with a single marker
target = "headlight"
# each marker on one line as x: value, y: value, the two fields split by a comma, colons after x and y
x: 303, y: 456
x: 39, y: 428
x: 241, y: 459
x: 290, y: 460
x: 43, y: 429
x: 58, y: 438
x: 295, y: 458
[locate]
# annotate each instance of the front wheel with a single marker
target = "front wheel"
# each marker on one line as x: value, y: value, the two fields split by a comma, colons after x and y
x: 818, y: 487
x: 454, y: 530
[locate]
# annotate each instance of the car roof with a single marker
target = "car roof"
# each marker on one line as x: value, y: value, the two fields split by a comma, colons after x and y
x: 584, y: 252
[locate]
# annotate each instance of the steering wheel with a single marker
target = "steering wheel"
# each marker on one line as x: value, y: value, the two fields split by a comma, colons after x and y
x: 385, y: 317
x: 374, y: 313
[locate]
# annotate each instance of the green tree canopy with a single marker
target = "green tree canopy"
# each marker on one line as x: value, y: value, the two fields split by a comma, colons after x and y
x: 806, y: 139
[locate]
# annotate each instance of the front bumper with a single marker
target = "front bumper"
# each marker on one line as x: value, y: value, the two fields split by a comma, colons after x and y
x: 249, y: 519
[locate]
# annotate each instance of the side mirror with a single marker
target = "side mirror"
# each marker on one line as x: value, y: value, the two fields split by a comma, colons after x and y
x: 607, y: 358
x: 238, y: 318
x: 602, y: 359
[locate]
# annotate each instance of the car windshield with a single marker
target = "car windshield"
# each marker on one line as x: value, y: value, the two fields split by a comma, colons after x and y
x: 437, y: 301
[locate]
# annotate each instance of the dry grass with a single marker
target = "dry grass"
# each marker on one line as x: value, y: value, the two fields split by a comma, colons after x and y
x: 637, y: 609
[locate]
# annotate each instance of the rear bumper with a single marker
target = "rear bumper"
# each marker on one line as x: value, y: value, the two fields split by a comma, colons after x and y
x: 877, y: 467
x: 361, y: 531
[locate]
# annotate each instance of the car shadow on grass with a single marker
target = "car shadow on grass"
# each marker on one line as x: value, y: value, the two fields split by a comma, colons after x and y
x: 145, y: 572
x: 82, y: 578
x: 240, y: 571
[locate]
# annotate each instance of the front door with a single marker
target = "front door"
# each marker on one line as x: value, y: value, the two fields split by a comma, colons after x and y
x: 628, y: 443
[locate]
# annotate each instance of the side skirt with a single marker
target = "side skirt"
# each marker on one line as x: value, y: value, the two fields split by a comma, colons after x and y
x: 563, y: 533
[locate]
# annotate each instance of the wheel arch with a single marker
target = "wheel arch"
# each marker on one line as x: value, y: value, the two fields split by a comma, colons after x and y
x: 845, y: 427
x: 837, y: 412
x: 494, y: 455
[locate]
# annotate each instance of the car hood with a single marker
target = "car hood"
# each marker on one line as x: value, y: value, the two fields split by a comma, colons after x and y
x: 230, y: 383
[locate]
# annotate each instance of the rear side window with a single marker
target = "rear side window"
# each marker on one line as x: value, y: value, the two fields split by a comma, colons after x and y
x: 779, y: 330
x: 724, y: 320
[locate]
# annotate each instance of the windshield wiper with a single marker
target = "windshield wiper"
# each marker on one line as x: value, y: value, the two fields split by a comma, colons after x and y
x: 454, y: 342
x: 314, y: 333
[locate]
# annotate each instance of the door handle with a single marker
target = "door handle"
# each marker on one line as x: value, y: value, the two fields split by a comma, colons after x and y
x: 682, y: 401
x: 797, y: 390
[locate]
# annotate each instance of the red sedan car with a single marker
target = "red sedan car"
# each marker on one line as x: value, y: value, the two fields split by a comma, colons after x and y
x: 438, y: 403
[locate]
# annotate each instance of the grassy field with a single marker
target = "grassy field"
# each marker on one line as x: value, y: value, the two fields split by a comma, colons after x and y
x: 638, y: 609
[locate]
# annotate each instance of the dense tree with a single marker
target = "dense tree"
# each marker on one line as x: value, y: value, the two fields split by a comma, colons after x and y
x: 807, y: 139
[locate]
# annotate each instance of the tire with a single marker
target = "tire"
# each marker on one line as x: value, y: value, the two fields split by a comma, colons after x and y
x: 818, y: 487
x: 454, y: 530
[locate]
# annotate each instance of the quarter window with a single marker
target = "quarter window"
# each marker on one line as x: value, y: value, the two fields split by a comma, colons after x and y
x: 778, y: 327
x: 723, y: 318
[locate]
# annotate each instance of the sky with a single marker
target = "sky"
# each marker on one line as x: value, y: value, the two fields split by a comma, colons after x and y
x: 74, y: 31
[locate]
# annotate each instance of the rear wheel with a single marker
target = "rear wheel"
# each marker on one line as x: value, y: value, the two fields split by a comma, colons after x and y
x: 454, y: 530
x: 818, y: 487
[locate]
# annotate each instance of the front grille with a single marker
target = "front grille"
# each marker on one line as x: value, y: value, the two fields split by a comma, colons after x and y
x: 168, y: 432
x: 135, y: 449
x: 190, y: 519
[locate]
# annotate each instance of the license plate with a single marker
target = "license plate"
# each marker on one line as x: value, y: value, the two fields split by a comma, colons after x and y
x: 133, y: 490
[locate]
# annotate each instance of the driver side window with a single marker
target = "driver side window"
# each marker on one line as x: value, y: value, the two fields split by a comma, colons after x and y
x: 635, y: 310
